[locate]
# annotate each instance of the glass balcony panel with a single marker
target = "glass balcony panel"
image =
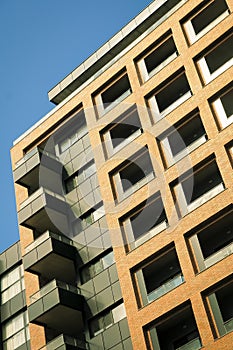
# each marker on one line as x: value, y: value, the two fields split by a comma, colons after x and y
x: 194, y: 344
x: 64, y: 341
x: 221, y: 254
x: 166, y: 287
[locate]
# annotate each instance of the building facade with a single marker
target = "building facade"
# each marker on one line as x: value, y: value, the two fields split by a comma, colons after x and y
x: 14, y: 315
x: 124, y: 192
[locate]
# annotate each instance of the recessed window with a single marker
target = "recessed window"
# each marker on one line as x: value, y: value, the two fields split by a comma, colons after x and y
x: 145, y: 221
x: 121, y: 131
x: 212, y: 241
x: 88, y: 218
x: 106, y: 319
x: 92, y: 269
x: 198, y: 187
x: 157, y: 57
x: 12, y: 283
x: 204, y: 19
x: 158, y: 277
x: 223, y: 107
x: 132, y: 174
x: 71, y: 132
x: 217, y: 60
x: 169, y: 96
x: 184, y: 137
x: 112, y: 93
x: 220, y: 308
x: 81, y: 175
x: 176, y: 330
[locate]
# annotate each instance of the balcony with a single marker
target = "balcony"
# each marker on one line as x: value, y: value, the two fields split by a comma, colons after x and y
x: 51, y: 256
x: 175, y: 330
x: 58, y: 306
x: 220, y: 307
x: 64, y: 342
x: 198, y: 187
x: 159, y: 276
x: 31, y: 166
x: 144, y: 222
x: 44, y: 210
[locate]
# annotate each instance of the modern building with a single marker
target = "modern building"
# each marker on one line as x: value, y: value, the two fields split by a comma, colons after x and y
x: 124, y: 194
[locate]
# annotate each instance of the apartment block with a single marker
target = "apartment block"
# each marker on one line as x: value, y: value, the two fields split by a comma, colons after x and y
x: 124, y: 194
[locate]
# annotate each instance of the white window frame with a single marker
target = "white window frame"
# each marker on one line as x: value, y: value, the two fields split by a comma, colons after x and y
x: 220, y: 112
x: 189, y: 28
x: 203, y: 68
x: 101, y: 107
x: 169, y: 157
x: 142, y: 65
x: 153, y: 105
x: 106, y: 136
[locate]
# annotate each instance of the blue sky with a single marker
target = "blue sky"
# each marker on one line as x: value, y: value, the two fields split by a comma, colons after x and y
x: 41, y: 42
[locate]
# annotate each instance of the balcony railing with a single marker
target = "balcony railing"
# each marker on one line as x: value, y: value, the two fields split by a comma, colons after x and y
x: 67, y: 340
x: 221, y: 254
x: 46, y: 235
x: 51, y: 286
x: 194, y: 344
x: 32, y: 153
x: 37, y: 194
x: 206, y: 197
x: 191, y: 147
x: 166, y: 287
x: 154, y: 231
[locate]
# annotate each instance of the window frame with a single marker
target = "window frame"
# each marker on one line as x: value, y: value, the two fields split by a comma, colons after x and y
x: 83, y: 172
x: 96, y: 266
x: 105, y: 134
x: 193, y: 242
x: 13, y: 336
x: 88, y: 218
x: 102, y: 317
x: 126, y: 226
x: 117, y: 182
x: 152, y: 102
x: 189, y: 29
x: 185, y: 207
x: 163, y: 140
x: 101, y: 106
x: 140, y: 61
x: 10, y: 290
x: 214, y: 311
x: 202, y: 65
x: 219, y: 111
x: 145, y: 297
